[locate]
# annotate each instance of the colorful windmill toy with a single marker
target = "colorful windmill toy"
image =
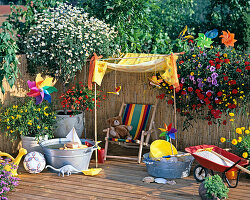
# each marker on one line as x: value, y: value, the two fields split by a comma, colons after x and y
x: 41, y: 89
x: 168, y: 132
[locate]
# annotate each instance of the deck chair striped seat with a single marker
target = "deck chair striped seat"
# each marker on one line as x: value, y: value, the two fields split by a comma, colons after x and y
x: 136, y: 115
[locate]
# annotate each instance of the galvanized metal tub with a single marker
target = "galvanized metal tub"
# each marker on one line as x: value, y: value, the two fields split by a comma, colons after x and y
x: 167, y: 169
x: 78, y: 158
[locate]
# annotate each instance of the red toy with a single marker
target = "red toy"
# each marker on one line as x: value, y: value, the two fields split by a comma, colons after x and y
x: 201, y: 171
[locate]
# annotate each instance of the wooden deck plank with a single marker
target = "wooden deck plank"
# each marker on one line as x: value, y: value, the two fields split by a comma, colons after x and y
x: 120, y: 179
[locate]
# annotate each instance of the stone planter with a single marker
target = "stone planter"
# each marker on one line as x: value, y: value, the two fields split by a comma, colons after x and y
x: 31, y: 144
x: 66, y: 122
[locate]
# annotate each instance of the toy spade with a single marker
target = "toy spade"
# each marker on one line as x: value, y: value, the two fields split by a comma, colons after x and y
x: 117, y: 90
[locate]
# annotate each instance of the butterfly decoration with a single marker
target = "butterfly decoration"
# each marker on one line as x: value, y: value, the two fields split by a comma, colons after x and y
x: 212, y: 34
x: 155, y: 82
x: 184, y: 36
x: 41, y: 89
x: 203, y: 41
x: 168, y: 132
x: 228, y: 38
x: 117, y: 90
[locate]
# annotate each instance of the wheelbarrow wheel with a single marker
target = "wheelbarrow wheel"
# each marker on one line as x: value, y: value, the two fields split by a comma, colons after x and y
x: 200, y: 173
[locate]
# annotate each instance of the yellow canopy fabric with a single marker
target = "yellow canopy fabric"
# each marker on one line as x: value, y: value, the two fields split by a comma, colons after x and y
x: 166, y: 65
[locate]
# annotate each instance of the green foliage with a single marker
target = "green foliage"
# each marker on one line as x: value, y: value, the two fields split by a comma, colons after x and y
x: 232, y: 15
x: 28, y: 119
x: 8, y: 59
x: 215, y: 187
x: 23, y: 19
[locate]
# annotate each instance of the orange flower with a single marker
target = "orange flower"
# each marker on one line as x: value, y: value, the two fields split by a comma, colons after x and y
x: 222, y: 139
x: 228, y: 38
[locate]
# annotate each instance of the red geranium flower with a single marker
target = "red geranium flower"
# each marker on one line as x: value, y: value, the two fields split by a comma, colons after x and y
x: 232, y: 82
x: 207, y: 101
x: 218, y: 66
x: 194, y: 106
x: 170, y: 101
x: 219, y: 94
x: 199, y: 105
x: 209, y: 94
x: 225, y: 78
x: 209, y: 123
x: 238, y: 70
x: 178, y: 75
x: 218, y: 101
x: 224, y: 122
x: 190, y: 89
x: 197, y: 91
x: 247, y: 68
x: 211, y: 62
x: 218, y: 54
x: 226, y: 60
x: 191, y: 41
x: 234, y: 91
x: 217, y: 60
x: 210, y: 107
x: 246, y: 63
x: 180, y: 62
x: 183, y: 92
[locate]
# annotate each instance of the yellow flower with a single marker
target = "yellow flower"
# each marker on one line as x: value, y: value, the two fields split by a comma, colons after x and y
x: 225, y: 55
x: 38, y: 127
x: 55, y: 117
x: 45, y: 107
x: 7, y: 120
x: 243, y: 128
x: 39, y: 109
x: 8, y: 127
x: 222, y: 139
x: 239, y: 139
x: 231, y: 120
x: 231, y: 114
x: 238, y: 130
x: 192, y: 73
x: 12, y: 117
x: 247, y: 131
x: 46, y: 114
x: 234, y: 142
x: 194, y: 55
x: 46, y: 128
x: 11, y: 131
x: 245, y: 155
x: 26, y: 110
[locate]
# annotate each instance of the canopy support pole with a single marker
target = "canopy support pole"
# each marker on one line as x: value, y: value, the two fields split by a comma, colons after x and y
x: 175, y: 120
x: 96, y: 163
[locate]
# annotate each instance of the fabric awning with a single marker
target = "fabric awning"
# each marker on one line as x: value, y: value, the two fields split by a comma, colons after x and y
x: 165, y: 65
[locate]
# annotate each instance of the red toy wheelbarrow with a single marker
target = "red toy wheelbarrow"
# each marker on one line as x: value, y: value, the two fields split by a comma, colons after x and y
x: 201, y: 170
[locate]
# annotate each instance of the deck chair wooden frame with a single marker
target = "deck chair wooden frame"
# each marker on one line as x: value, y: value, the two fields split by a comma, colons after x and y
x: 145, y: 135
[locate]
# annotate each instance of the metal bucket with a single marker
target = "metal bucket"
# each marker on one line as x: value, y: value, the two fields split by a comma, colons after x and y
x: 168, y: 169
x: 78, y: 158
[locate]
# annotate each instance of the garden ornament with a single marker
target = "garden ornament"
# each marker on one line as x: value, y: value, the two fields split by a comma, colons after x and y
x: 203, y: 41
x: 212, y: 34
x: 117, y: 90
x: 67, y: 169
x: 228, y: 38
x: 184, y: 36
x: 41, y: 89
x: 168, y: 132
x: 14, y: 161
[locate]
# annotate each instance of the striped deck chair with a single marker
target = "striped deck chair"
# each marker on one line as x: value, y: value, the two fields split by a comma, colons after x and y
x: 136, y: 115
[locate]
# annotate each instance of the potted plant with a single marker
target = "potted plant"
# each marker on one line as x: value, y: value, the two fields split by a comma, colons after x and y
x: 76, y: 100
x: 33, y: 122
x: 61, y: 41
x: 213, y: 188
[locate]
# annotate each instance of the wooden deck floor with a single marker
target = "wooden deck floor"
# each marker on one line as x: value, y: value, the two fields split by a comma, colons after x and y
x: 119, y: 180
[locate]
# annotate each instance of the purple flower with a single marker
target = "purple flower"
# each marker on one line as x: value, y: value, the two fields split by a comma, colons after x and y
x: 204, y: 54
x: 194, y: 61
x: 6, y: 189
x: 194, y: 82
x: 216, y: 99
x: 199, y: 65
x: 214, y: 75
x: 199, y: 55
x: 208, y: 67
x: 200, y: 85
x: 209, y: 79
x: 182, y: 80
x: 191, y: 78
x: 212, y: 69
x: 214, y: 82
x: 199, y: 80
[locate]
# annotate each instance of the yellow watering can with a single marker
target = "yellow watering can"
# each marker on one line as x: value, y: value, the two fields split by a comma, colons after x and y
x: 14, y: 161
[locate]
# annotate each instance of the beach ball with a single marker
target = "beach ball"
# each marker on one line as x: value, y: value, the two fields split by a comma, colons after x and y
x: 34, y: 162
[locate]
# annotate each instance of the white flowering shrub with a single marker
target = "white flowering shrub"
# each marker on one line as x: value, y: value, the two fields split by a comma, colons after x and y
x: 64, y: 37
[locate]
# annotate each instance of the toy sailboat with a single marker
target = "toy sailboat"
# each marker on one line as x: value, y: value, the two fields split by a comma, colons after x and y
x: 75, y: 141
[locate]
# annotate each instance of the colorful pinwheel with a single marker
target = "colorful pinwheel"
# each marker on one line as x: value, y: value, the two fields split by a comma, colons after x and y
x: 212, y: 34
x: 41, y: 89
x: 203, y: 41
x: 228, y: 38
x: 168, y: 132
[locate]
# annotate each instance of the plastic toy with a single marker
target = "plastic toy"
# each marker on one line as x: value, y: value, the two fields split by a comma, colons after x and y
x: 92, y: 171
x: 14, y: 161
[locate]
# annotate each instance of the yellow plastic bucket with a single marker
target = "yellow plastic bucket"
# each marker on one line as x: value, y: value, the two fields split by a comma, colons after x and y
x: 160, y: 148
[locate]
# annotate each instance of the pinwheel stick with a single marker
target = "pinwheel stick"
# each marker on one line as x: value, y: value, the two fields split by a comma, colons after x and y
x: 171, y: 146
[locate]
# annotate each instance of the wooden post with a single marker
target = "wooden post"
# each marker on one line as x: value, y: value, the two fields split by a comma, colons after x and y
x: 175, y: 121
x: 96, y: 163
